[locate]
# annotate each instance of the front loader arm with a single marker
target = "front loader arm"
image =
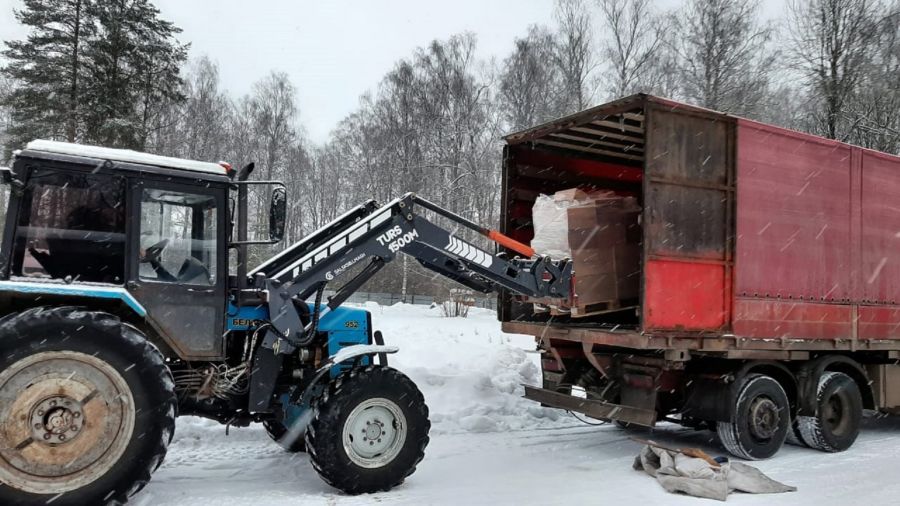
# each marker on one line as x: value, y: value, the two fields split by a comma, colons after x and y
x: 374, y: 238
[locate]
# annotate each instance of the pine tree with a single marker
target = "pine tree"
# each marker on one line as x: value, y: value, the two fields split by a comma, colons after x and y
x: 48, y: 67
x: 135, y: 72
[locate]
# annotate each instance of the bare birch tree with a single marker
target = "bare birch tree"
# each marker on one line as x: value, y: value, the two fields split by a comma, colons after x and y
x: 724, y: 55
x: 574, y: 52
x: 206, y: 113
x: 530, y: 85
x: 633, y: 46
x: 873, y: 112
x: 832, y: 45
x: 6, y: 90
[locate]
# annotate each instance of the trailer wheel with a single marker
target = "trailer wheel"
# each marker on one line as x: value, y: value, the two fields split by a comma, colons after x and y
x: 87, y: 408
x: 277, y: 431
x: 794, y: 437
x: 839, y: 406
x: 369, y: 430
x: 760, y: 419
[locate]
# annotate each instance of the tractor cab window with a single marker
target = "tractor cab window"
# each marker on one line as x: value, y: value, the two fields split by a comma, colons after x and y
x: 178, y: 237
x: 71, y: 226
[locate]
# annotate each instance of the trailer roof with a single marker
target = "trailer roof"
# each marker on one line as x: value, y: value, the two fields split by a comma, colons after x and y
x: 615, y: 131
x: 125, y: 155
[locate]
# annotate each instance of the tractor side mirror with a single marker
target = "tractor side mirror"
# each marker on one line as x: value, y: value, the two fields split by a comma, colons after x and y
x: 8, y: 177
x: 277, y: 214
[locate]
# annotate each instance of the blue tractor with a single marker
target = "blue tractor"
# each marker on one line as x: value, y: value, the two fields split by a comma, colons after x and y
x: 126, y: 300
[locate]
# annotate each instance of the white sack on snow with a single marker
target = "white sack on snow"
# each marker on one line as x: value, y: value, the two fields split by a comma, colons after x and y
x: 678, y: 473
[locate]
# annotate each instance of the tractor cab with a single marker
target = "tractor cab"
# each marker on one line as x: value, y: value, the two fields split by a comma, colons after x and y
x: 147, y: 235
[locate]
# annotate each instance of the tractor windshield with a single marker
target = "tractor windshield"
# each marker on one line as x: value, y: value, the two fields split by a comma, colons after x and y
x: 71, y: 226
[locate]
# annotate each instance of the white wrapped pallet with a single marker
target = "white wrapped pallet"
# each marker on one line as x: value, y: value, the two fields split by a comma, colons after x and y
x: 551, y: 227
x: 550, y: 219
x: 600, y: 232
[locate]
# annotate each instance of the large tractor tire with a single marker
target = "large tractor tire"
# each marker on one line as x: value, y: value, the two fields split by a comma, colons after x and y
x: 87, y: 408
x: 839, y: 410
x: 760, y: 420
x: 369, y: 430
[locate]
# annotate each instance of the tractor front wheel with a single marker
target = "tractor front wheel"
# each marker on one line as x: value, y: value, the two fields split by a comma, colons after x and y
x: 369, y: 431
x: 87, y: 408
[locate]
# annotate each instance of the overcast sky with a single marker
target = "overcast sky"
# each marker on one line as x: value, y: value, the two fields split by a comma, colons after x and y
x: 333, y: 50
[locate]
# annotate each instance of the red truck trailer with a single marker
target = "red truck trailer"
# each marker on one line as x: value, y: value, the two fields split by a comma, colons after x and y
x: 769, y: 275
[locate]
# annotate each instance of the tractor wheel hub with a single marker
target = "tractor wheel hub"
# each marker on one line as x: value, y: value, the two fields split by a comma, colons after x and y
x: 374, y: 433
x: 373, y: 430
x: 56, y: 420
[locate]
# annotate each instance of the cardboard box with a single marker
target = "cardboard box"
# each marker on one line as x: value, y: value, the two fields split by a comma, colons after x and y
x: 600, y: 232
x: 605, y: 239
x: 571, y: 194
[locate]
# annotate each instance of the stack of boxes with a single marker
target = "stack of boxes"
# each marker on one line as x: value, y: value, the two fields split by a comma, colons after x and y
x: 602, y: 236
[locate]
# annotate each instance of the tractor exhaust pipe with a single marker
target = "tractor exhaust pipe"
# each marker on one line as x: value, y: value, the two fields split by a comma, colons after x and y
x: 243, y: 175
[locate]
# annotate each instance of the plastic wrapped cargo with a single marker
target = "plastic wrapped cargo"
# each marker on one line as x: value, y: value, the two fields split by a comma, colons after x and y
x: 551, y: 227
x: 600, y: 232
x: 550, y: 217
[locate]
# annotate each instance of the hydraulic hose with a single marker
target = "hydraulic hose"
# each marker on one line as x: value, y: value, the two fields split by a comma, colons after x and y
x: 310, y: 335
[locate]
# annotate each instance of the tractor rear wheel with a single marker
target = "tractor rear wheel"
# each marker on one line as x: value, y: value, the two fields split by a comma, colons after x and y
x: 369, y: 430
x: 87, y: 408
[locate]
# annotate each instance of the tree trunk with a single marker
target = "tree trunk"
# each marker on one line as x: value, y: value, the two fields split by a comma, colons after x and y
x: 72, y: 120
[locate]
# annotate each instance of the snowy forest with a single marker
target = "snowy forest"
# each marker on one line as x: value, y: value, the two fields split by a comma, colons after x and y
x: 118, y: 74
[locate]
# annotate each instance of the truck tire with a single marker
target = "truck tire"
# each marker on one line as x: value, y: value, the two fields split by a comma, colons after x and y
x: 760, y: 419
x: 839, y: 410
x: 794, y: 437
x: 277, y: 431
x: 87, y: 407
x: 369, y: 430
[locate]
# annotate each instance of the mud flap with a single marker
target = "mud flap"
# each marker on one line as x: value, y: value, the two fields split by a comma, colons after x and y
x: 266, y: 366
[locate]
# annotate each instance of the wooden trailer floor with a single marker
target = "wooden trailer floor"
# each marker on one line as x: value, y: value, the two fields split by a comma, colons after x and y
x: 726, y: 345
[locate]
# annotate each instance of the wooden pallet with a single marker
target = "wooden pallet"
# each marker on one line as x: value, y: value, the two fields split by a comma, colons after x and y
x: 581, y: 310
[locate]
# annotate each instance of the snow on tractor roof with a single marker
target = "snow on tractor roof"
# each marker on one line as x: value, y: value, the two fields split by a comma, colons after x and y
x: 124, y: 155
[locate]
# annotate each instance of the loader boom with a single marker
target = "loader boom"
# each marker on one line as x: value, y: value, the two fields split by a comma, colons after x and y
x: 373, y: 236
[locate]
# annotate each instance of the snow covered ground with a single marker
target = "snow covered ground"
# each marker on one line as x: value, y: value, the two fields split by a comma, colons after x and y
x: 489, y: 446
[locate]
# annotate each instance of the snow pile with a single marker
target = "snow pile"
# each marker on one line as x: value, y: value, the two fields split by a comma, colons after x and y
x: 470, y: 372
